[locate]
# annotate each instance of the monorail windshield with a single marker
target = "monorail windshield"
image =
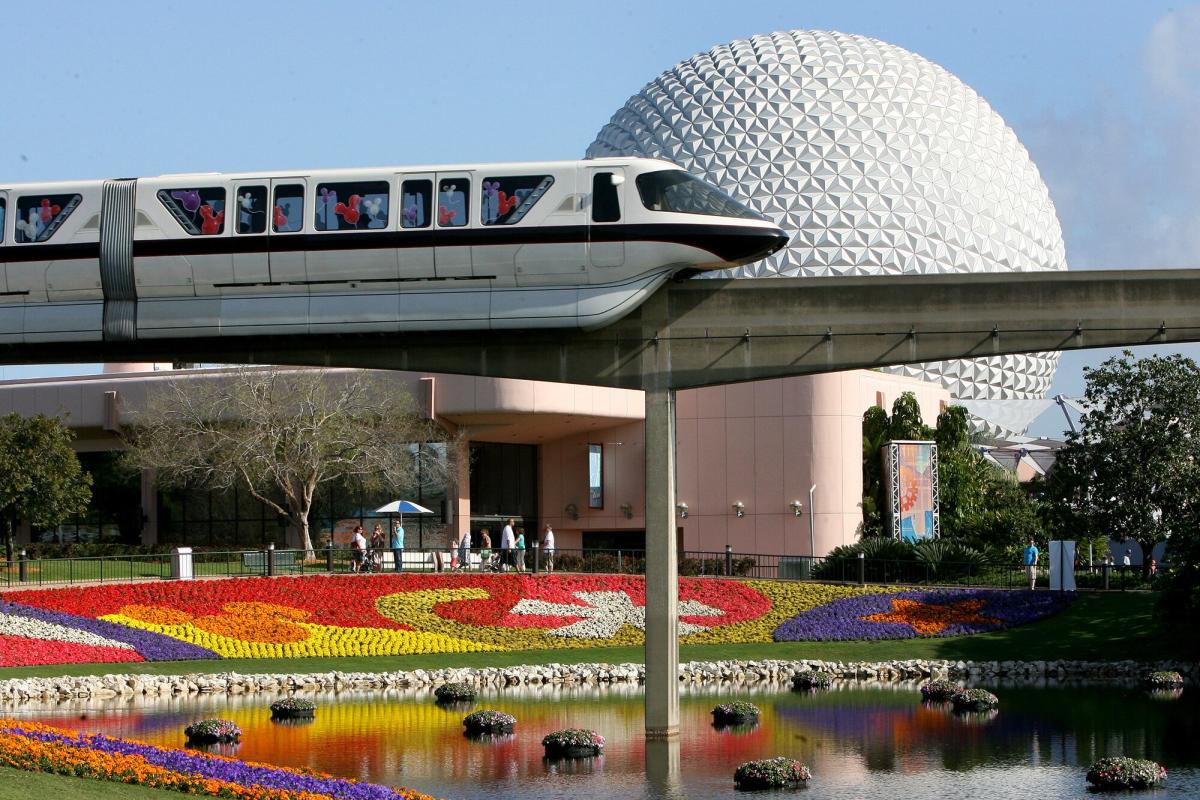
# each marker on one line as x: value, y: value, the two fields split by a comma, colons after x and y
x: 683, y: 193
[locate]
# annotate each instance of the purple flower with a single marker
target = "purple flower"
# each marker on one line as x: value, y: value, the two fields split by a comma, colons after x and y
x: 843, y: 620
x: 150, y: 646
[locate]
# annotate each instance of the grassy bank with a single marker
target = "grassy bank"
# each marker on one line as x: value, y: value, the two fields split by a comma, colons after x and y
x: 1109, y: 627
x: 16, y: 784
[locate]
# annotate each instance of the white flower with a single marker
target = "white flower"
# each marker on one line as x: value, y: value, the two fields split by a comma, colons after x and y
x: 13, y: 625
x: 606, y: 613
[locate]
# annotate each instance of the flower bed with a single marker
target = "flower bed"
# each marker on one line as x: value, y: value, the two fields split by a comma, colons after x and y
x: 1163, y: 680
x: 736, y: 713
x: 810, y: 680
x: 398, y: 614
x: 912, y: 613
x: 212, y: 731
x: 771, y: 773
x: 1126, y: 773
x: 974, y: 700
x: 293, y: 708
x: 454, y: 693
x: 573, y: 743
x: 939, y: 690
x: 479, y: 723
x: 41, y: 748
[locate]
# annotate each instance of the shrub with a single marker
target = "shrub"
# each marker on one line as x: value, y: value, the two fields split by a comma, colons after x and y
x: 573, y: 743
x: 734, y: 713
x: 211, y: 731
x: 1163, y: 680
x: 948, y: 560
x: 1126, y: 773
x: 939, y: 690
x: 974, y: 700
x: 454, y: 693
x: 485, y: 722
x: 811, y: 679
x: 843, y: 561
x: 770, y: 773
x: 293, y: 708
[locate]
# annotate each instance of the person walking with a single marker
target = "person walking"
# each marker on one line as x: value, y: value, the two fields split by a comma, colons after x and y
x: 464, y: 550
x: 507, y: 542
x: 548, y: 547
x: 1031, y: 560
x: 358, y: 549
x: 375, y: 560
x: 485, y: 549
x: 519, y: 552
x: 397, y: 544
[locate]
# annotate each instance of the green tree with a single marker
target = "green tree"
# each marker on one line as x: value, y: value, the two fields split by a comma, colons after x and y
x: 41, y: 479
x: 1132, y: 468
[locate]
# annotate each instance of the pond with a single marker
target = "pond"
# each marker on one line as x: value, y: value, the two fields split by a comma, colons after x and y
x: 861, y: 741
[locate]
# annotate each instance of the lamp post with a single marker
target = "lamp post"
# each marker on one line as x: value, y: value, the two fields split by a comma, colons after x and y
x: 812, y: 524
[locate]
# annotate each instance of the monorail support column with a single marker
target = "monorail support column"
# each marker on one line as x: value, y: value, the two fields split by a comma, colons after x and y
x: 662, y: 566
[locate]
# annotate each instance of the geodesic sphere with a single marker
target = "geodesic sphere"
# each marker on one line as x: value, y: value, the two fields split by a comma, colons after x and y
x: 874, y: 160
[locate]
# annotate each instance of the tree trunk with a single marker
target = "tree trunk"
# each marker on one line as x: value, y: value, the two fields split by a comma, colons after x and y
x: 8, y: 539
x: 305, y: 537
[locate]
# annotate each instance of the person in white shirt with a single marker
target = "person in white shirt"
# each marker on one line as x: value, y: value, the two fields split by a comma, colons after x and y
x: 464, y: 550
x: 358, y: 549
x: 548, y: 548
x: 507, y: 542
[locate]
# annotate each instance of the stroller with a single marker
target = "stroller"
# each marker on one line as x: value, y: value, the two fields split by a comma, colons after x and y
x: 491, y: 563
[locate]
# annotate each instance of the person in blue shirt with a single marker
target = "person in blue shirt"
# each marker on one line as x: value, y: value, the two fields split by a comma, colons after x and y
x: 1031, y: 560
x: 398, y: 545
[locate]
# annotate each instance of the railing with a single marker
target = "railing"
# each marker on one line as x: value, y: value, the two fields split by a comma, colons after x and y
x: 234, y: 563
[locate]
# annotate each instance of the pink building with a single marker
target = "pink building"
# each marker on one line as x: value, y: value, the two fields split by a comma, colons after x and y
x: 747, y: 456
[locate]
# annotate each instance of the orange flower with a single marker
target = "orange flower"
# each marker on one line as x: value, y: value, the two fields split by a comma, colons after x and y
x: 930, y: 619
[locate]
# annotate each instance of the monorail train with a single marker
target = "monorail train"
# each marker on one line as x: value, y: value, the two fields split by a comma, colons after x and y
x: 483, y: 246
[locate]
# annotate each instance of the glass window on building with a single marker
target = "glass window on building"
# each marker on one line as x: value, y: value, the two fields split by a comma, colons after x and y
x: 506, y: 201
x: 114, y: 515
x: 252, y: 209
x: 352, y: 206
x: 200, y: 212
x: 40, y: 216
x: 416, y: 198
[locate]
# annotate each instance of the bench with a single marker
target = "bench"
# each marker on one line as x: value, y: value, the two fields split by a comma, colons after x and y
x: 285, y: 560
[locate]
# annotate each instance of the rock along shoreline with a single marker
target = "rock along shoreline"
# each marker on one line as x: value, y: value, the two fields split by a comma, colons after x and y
x: 764, y: 673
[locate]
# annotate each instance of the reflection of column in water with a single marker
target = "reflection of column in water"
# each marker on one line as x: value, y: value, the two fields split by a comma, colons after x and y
x: 662, y: 768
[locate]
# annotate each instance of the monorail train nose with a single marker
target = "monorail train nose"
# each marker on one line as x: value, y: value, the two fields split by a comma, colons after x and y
x: 747, y: 245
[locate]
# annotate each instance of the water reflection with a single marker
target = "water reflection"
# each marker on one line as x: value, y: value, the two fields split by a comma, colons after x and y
x: 861, y: 741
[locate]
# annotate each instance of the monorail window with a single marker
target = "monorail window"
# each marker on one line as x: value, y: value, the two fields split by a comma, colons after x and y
x: 453, y: 205
x: 680, y: 192
x: 3, y: 208
x: 416, y: 198
x: 606, y: 203
x: 252, y: 209
x: 353, y: 206
x: 506, y: 201
x: 287, y: 213
x: 40, y: 216
x: 200, y: 212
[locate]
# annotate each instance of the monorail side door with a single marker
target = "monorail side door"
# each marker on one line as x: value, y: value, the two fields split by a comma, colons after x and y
x: 606, y: 207
x: 289, y: 220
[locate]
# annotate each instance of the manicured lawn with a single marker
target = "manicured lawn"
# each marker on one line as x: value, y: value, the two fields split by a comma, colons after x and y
x: 1108, y: 627
x: 17, y: 784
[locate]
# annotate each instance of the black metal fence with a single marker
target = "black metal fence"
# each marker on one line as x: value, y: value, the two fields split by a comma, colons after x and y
x: 42, y: 571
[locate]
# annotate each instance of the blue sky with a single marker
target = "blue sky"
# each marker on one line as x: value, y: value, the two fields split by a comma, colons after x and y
x: 1100, y: 92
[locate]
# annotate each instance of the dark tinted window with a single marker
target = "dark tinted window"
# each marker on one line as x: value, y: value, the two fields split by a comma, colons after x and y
x: 3, y: 209
x: 416, y: 198
x: 200, y: 212
x: 40, y: 216
x: 507, y: 200
x: 252, y: 209
x: 453, y: 202
x: 606, y: 206
x: 287, y: 214
x: 677, y: 191
x: 353, y: 206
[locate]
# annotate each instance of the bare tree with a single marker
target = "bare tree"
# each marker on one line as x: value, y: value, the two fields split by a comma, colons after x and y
x: 282, y: 433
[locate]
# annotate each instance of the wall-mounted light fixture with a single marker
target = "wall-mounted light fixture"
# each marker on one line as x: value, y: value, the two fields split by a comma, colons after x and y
x: 682, y: 510
x: 571, y: 511
x: 797, y: 507
x: 739, y: 508
x: 627, y: 510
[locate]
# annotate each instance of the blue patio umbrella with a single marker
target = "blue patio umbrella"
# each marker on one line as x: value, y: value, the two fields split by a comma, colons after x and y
x: 402, y: 507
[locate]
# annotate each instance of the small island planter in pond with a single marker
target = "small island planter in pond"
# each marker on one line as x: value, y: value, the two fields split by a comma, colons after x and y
x: 212, y: 731
x: 483, y: 723
x: 293, y: 708
x: 1126, y: 773
x: 738, y: 713
x: 939, y: 690
x: 974, y: 700
x: 573, y: 743
x: 771, y: 773
x: 1163, y: 680
x: 454, y: 693
x: 811, y: 680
